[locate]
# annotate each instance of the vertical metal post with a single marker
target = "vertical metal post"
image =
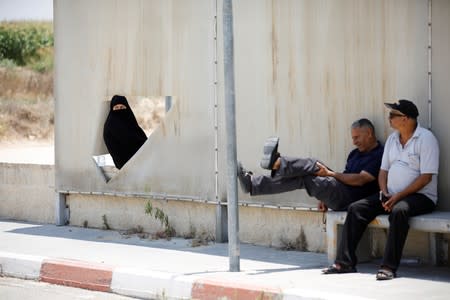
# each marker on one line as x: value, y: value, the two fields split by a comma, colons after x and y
x: 60, y: 209
x: 221, y: 223
x: 168, y: 103
x: 221, y: 209
x: 430, y: 74
x: 230, y: 120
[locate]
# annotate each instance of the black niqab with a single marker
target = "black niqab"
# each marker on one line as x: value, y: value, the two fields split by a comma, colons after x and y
x: 121, y: 132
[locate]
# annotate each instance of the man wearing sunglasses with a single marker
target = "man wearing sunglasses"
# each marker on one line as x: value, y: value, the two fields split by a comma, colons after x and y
x: 408, y: 187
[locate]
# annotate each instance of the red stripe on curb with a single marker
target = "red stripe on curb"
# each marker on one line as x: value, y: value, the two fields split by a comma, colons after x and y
x: 212, y: 290
x: 83, y: 275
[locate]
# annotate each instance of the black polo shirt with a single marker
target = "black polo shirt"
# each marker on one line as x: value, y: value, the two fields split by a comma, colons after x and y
x: 368, y: 161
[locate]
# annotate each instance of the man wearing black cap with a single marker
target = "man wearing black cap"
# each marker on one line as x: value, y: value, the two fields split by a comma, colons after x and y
x: 408, y: 187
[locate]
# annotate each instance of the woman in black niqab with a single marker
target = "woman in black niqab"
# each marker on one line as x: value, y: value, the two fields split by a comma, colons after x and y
x: 121, y: 132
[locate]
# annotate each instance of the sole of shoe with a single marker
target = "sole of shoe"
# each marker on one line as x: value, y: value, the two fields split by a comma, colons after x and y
x: 269, y: 152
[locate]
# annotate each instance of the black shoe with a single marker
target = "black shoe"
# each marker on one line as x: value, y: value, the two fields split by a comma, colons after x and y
x: 245, y: 179
x: 270, y: 153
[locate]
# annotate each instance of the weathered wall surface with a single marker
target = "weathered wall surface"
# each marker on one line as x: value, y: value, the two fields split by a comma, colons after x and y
x: 27, y: 192
x: 441, y: 93
x: 136, y: 48
x: 304, y: 70
x: 125, y: 213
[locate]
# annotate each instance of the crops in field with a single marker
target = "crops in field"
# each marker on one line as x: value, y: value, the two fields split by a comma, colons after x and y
x: 27, y: 44
x: 26, y: 81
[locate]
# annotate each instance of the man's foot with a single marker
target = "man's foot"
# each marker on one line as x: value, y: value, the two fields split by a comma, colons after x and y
x: 245, y: 179
x: 385, y: 273
x: 270, y: 153
x: 338, y: 269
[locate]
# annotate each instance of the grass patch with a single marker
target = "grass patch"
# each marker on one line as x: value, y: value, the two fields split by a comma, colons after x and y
x: 27, y: 44
x: 163, y: 218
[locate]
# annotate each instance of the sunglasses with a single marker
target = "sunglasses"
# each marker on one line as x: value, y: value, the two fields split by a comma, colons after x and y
x: 393, y: 115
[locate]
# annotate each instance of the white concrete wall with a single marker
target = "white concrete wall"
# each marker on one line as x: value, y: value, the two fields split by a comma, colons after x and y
x: 304, y: 71
x: 27, y: 192
x: 136, y: 48
x: 262, y: 226
x: 441, y: 93
x: 124, y: 213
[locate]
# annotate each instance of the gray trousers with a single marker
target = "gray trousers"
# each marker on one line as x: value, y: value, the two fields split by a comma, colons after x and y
x: 298, y: 173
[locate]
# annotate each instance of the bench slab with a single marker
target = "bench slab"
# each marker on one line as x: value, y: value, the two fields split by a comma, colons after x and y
x: 435, y: 222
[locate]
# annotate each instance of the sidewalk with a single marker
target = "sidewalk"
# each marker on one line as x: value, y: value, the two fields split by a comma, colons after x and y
x: 109, y: 261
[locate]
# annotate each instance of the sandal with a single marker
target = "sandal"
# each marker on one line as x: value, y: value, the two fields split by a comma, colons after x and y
x: 342, y: 269
x: 385, y: 274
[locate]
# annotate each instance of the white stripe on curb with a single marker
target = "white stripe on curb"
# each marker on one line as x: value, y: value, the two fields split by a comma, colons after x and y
x: 151, y: 284
x: 20, y: 265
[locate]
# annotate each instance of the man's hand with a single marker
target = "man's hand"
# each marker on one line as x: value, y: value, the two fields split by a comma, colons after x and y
x: 414, y: 187
x: 322, y: 207
x: 390, y: 202
x: 323, y: 170
x: 276, y: 164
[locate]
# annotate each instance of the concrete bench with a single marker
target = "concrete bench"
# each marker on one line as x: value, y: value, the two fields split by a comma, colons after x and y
x: 435, y: 223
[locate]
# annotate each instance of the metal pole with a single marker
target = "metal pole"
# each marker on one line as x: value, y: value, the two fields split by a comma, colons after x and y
x: 430, y: 74
x: 168, y: 103
x: 230, y: 120
x: 60, y: 209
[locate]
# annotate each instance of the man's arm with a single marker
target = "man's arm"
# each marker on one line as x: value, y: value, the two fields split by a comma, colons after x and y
x: 414, y: 187
x: 354, y: 179
x: 382, y: 181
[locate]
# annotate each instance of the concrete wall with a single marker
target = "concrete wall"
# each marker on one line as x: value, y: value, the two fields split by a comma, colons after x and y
x: 441, y: 93
x: 27, y: 192
x: 274, y: 227
x: 136, y: 48
x: 279, y: 228
x: 124, y: 213
x: 304, y: 71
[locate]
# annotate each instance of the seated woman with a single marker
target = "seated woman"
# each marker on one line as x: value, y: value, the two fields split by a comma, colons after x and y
x: 121, y: 132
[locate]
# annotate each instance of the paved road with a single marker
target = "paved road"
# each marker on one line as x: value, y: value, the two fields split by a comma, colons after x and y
x: 18, y: 289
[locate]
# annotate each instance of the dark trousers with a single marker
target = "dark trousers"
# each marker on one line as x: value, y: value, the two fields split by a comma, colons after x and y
x: 362, y: 212
x: 297, y: 173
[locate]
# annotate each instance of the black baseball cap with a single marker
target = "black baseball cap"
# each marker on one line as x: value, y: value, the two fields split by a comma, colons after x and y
x: 406, y: 107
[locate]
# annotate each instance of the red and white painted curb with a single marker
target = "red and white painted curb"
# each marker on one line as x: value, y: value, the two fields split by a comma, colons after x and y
x: 129, y: 281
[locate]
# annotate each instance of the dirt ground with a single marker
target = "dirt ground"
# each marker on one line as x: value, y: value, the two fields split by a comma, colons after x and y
x: 27, y: 152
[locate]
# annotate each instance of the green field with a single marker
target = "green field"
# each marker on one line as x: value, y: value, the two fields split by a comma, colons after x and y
x: 27, y: 44
x: 26, y: 81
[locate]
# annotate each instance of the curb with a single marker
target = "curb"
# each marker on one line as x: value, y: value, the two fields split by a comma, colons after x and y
x: 151, y: 284
x: 20, y: 265
x: 78, y: 274
x: 208, y: 289
x: 130, y: 281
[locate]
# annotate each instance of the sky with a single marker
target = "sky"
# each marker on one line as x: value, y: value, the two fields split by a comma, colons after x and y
x: 12, y: 10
